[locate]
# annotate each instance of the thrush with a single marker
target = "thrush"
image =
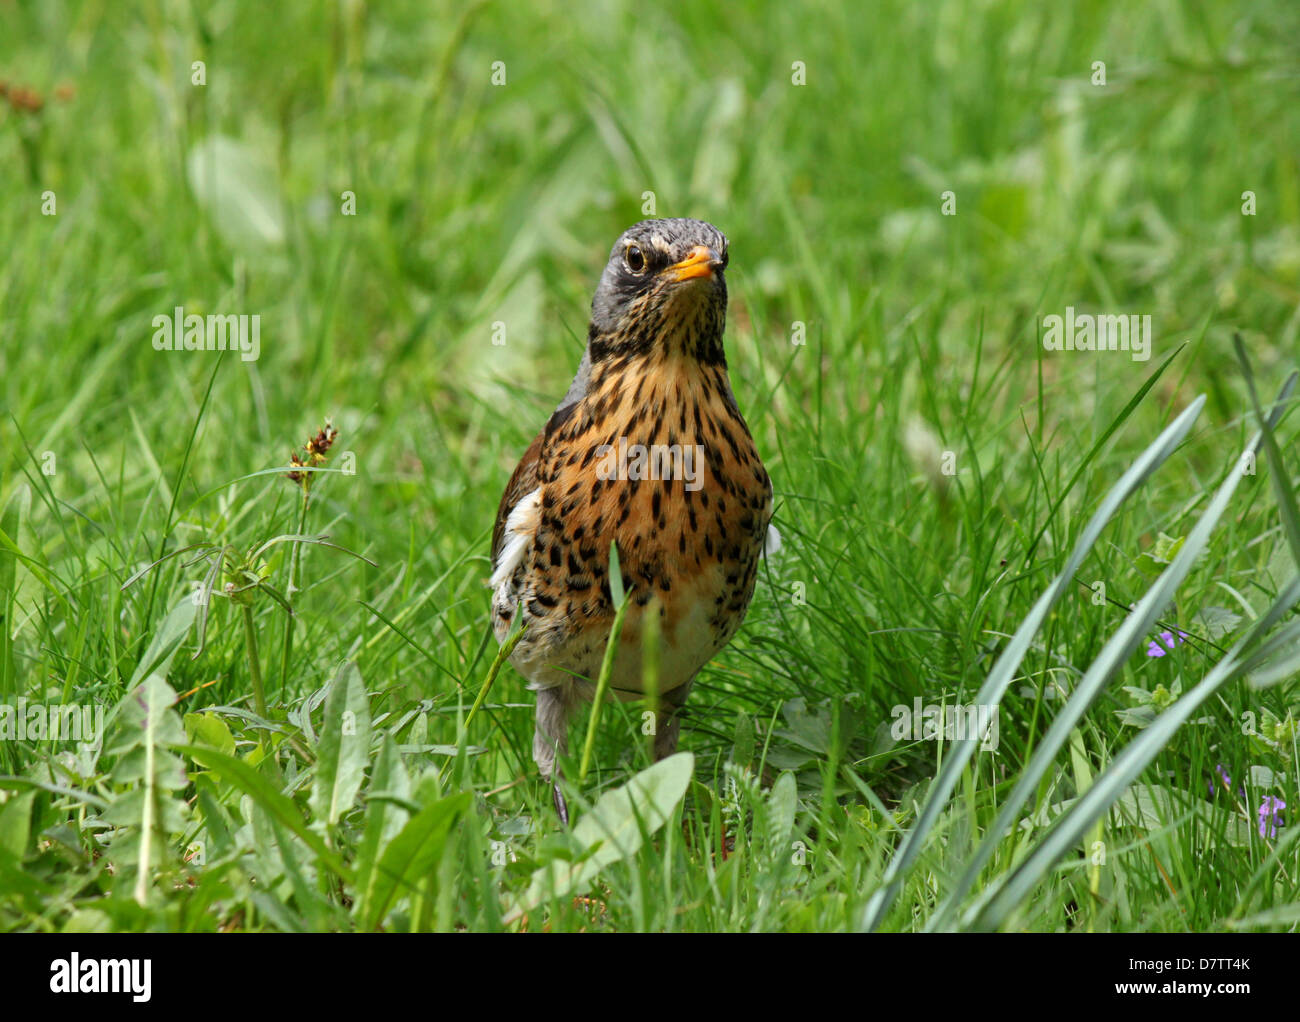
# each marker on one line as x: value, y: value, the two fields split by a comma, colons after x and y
x: 647, y: 450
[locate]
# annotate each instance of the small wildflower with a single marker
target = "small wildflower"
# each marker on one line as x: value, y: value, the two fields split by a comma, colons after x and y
x: 296, y: 462
x: 1164, y: 643
x: 1270, y: 816
x: 314, y: 453
x: 26, y: 100
x: 1226, y: 781
x: 318, y: 445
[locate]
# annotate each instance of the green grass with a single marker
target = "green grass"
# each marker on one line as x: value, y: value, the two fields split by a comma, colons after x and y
x: 359, y: 798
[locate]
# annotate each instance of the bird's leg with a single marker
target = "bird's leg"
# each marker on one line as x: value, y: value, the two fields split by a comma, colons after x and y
x: 554, y: 705
x: 551, y: 737
x: 557, y: 797
x: 668, y: 721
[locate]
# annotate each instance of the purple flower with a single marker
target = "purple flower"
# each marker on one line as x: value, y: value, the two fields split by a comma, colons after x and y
x: 1164, y: 643
x: 1222, y: 771
x: 1270, y: 816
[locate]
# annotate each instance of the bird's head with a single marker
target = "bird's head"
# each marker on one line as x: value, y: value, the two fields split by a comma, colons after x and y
x: 662, y: 292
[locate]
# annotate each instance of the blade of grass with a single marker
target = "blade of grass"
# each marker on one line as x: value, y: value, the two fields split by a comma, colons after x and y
x: 1286, y: 503
x: 1107, y: 664
x: 1002, y: 898
x: 1000, y: 677
x: 607, y: 663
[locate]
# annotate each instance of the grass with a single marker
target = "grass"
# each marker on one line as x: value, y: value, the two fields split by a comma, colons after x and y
x: 934, y: 465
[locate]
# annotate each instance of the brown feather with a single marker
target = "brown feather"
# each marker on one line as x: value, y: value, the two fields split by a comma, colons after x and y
x: 521, y: 484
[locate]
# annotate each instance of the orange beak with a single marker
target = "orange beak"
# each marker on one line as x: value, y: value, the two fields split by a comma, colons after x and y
x: 700, y: 263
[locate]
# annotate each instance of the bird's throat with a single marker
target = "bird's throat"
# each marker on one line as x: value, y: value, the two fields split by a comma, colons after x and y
x: 685, y: 328
x: 661, y: 397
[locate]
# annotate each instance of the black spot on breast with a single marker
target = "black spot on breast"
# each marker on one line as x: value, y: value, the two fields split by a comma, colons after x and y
x: 560, y: 417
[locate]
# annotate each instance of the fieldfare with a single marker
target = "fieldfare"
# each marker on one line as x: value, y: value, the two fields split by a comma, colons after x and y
x: 647, y: 450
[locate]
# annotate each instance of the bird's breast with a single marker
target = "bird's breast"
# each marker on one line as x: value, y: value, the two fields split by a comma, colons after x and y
x: 661, y: 463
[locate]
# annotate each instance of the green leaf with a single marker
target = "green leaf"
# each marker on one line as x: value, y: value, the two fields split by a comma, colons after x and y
x: 808, y: 728
x: 238, y: 191
x: 236, y: 771
x: 1165, y: 550
x: 384, y: 819
x: 166, y: 641
x: 209, y: 729
x: 16, y: 824
x: 145, y: 722
x: 614, y: 829
x: 412, y: 857
x: 1216, y: 622
x: 742, y: 741
x: 782, y: 801
x: 145, y: 725
x: 344, y: 746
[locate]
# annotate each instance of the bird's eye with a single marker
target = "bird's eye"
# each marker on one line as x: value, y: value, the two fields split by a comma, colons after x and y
x: 635, y: 258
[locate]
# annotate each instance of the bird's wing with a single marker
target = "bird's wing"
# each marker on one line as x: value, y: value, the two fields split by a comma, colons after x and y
x: 521, y: 485
x: 524, y: 482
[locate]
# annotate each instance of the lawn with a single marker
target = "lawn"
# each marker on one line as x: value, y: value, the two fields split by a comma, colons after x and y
x: 415, y: 201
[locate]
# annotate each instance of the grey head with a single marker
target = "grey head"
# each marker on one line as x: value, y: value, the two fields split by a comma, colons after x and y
x: 661, y: 259
x: 663, y: 287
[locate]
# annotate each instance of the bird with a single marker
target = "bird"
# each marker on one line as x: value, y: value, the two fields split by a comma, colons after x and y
x: 647, y: 451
